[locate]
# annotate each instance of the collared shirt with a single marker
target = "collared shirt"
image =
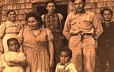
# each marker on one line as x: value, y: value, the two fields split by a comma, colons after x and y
x: 87, y: 22
x: 68, y: 67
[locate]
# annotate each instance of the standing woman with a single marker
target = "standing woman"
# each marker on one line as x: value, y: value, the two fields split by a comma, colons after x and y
x: 37, y: 43
x: 8, y: 29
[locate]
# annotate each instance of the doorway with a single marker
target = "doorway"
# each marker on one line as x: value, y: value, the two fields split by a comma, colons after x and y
x: 41, y: 8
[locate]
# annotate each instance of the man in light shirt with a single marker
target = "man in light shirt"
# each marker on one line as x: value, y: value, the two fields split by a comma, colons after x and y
x: 82, y: 29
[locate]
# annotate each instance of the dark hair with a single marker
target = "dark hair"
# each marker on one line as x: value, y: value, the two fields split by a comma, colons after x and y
x: 82, y: 0
x: 51, y: 2
x: 37, y: 16
x: 12, y: 39
x: 67, y: 50
x: 106, y: 9
x: 10, y: 11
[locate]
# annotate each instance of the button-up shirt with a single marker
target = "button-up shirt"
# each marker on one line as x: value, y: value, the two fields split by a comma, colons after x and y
x: 87, y: 22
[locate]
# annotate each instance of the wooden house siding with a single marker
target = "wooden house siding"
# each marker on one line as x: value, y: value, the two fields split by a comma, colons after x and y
x: 24, y: 6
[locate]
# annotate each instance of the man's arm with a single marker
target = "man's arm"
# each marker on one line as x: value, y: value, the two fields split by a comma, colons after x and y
x: 66, y: 29
x: 97, y: 26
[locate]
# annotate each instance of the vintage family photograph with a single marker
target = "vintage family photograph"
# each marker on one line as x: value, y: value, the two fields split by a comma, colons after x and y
x: 56, y: 35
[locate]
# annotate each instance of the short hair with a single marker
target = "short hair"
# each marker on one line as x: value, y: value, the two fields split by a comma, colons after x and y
x: 67, y: 50
x: 75, y: 0
x: 106, y: 9
x: 37, y: 16
x: 12, y: 39
x: 9, y: 11
x: 51, y: 2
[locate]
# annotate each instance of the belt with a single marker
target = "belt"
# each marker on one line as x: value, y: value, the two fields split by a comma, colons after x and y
x: 86, y: 34
x: 82, y: 35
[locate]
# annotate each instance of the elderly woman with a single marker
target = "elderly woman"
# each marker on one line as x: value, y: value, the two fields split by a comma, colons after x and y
x: 8, y: 29
x: 37, y: 43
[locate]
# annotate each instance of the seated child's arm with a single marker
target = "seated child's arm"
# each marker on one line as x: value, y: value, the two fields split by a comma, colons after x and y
x: 17, y: 63
x: 12, y: 63
x: 23, y: 62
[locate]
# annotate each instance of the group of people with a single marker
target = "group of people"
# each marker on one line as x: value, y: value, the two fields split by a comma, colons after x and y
x: 39, y: 45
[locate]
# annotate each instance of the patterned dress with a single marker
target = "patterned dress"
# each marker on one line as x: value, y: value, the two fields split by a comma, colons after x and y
x: 36, y: 48
x: 8, y: 30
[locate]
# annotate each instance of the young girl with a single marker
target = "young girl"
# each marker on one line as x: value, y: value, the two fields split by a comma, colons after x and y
x: 65, y: 65
x: 105, y: 48
x: 15, y: 60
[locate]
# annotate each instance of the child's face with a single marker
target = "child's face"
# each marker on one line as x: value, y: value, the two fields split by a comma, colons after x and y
x: 13, y: 46
x: 64, y: 57
x: 51, y: 7
x: 107, y: 15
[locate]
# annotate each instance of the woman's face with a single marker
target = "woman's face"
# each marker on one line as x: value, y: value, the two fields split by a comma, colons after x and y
x: 12, y: 16
x: 51, y: 7
x: 107, y: 15
x: 33, y: 23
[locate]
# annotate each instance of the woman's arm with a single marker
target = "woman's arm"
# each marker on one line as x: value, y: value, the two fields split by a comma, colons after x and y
x: 51, y: 51
x: 2, y: 33
x: 12, y: 63
x: 51, y: 47
x: 20, y: 39
x: 1, y: 47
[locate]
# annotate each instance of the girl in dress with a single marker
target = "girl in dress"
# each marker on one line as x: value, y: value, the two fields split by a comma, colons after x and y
x: 65, y: 65
x: 14, y: 61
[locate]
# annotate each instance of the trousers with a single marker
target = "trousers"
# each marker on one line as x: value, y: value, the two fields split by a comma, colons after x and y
x: 83, y: 52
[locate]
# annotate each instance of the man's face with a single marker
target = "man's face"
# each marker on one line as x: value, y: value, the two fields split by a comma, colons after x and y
x: 79, y: 5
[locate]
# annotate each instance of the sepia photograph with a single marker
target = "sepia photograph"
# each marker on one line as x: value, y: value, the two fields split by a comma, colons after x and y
x: 56, y: 35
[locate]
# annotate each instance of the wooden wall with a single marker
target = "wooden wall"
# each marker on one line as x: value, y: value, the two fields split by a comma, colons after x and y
x: 24, y: 6
x: 20, y: 6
